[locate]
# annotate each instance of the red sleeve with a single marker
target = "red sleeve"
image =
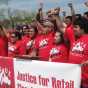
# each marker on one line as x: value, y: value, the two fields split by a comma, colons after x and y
x: 69, y: 34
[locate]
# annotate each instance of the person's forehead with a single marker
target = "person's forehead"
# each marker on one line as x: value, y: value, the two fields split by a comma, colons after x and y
x: 31, y: 29
x: 48, y: 24
x: 13, y: 35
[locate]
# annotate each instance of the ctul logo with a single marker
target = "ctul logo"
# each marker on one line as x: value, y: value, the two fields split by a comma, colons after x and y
x: 43, y: 42
x: 79, y: 47
x: 5, y: 77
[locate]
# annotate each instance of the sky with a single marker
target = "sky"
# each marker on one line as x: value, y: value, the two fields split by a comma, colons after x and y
x: 33, y: 5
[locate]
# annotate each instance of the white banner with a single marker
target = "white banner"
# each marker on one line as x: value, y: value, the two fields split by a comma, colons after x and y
x: 39, y: 74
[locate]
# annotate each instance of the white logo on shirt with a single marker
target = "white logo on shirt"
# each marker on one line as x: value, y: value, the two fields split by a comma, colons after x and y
x: 12, y: 48
x: 54, y: 51
x: 79, y: 47
x: 43, y: 42
x: 29, y: 44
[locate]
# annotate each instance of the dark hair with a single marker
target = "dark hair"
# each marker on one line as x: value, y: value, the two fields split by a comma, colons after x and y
x: 78, y: 16
x: 81, y: 23
x: 35, y: 30
x: 34, y: 27
x: 86, y: 13
x: 17, y: 35
x: 19, y: 27
x: 69, y: 17
x: 86, y: 24
x: 40, y: 9
x: 61, y: 35
x: 1, y: 28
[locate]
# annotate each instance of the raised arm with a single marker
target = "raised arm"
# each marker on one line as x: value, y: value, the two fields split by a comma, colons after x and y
x: 3, y: 32
x: 70, y: 5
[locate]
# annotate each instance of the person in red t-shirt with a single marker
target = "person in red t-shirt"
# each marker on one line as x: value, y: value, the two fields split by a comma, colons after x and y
x: 3, y: 42
x: 43, y: 42
x: 29, y: 41
x: 15, y: 46
x: 78, y: 39
x: 79, y: 49
x: 26, y: 36
x: 58, y: 51
x: 78, y: 52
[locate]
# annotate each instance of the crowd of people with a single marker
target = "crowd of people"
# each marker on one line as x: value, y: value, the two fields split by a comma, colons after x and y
x: 50, y: 39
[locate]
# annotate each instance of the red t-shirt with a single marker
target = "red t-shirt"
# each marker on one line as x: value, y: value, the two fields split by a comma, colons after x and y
x: 58, y: 53
x: 16, y: 49
x: 29, y: 43
x: 42, y: 43
x: 25, y: 38
x: 79, y: 53
x: 3, y: 46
